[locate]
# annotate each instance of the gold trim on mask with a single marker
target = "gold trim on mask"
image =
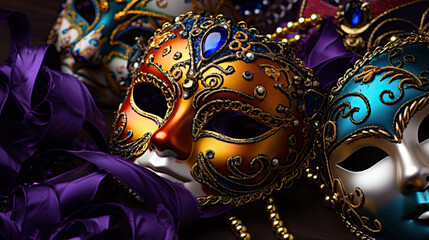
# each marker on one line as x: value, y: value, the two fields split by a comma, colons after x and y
x: 161, y: 85
x: 208, y: 110
x: 123, y: 149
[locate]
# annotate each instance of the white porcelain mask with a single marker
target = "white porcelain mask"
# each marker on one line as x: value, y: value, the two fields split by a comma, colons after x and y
x: 376, y: 145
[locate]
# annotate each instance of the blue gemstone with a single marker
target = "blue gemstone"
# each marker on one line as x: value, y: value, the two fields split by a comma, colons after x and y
x: 129, y: 132
x: 353, y: 13
x: 213, y: 41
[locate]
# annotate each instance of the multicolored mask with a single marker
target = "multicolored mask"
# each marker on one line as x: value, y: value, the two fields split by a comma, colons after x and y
x: 375, y: 142
x: 218, y: 108
x: 95, y: 36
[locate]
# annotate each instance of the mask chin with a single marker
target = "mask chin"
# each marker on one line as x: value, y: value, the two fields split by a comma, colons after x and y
x: 171, y: 169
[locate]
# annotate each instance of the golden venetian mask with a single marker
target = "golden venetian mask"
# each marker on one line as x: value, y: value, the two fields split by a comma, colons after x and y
x: 218, y: 108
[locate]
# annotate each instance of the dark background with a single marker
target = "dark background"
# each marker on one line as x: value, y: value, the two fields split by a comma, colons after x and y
x: 302, y: 209
x: 42, y: 15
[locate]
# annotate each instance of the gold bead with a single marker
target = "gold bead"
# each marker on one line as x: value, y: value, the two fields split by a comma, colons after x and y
x: 274, y: 216
x: 236, y: 222
x: 270, y: 200
x: 241, y: 228
x: 301, y: 20
x: 313, y: 16
x: 245, y: 236
x: 281, y: 229
x: 315, y: 176
x: 271, y: 208
x: 284, y: 40
x: 104, y: 5
x: 289, y: 25
x: 286, y: 236
x: 393, y: 38
x: 277, y: 223
x: 297, y: 37
x: 279, y: 30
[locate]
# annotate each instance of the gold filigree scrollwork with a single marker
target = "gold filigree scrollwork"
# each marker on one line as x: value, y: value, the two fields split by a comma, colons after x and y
x: 275, y: 73
x: 213, y: 80
x: 207, y: 111
x: 369, y: 73
x: 405, y: 113
x: 347, y: 205
x: 409, y: 58
x: 208, y: 173
x: 121, y: 147
x: 412, y: 39
x: 369, y: 132
x: 240, y: 38
x: 177, y: 69
x: 169, y: 96
x: 237, y: 182
x: 340, y: 109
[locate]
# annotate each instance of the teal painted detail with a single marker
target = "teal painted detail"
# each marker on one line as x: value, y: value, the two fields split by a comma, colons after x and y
x: 396, y: 217
x: 364, y: 101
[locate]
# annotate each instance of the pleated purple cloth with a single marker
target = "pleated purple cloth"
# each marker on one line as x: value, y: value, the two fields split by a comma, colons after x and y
x: 40, y: 107
x: 324, y: 52
x: 74, y: 204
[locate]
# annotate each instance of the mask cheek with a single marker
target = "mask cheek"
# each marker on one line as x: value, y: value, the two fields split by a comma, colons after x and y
x: 240, y: 167
x: 377, y: 183
x: 132, y: 132
x: 116, y: 68
x: 66, y: 32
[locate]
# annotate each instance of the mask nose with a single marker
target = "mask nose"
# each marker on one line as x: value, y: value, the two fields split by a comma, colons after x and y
x: 415, y: 170
x: 174, y: 138
x: 86, y: 51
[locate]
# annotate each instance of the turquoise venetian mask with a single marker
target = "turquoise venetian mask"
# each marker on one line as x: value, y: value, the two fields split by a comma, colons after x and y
x: 375, y: 142
x: 94, y: 38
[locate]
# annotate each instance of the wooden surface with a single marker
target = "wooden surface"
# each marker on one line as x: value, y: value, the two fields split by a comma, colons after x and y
x: 302, y: 208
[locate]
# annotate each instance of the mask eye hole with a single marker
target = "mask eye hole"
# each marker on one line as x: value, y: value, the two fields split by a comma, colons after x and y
x: 363, y: 159
x: 235, y: 125
x: 150, y: 99
x: 129, y: 36
x: 424, y: 130
x: 86, y: 9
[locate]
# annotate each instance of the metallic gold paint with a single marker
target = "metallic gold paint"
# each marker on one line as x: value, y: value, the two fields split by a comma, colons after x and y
x: 179, y: 136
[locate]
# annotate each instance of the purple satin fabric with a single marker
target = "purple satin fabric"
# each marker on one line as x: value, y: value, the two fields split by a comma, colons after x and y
x: 68, y: 203
x: 325, y: 53
x: 40, y: 107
